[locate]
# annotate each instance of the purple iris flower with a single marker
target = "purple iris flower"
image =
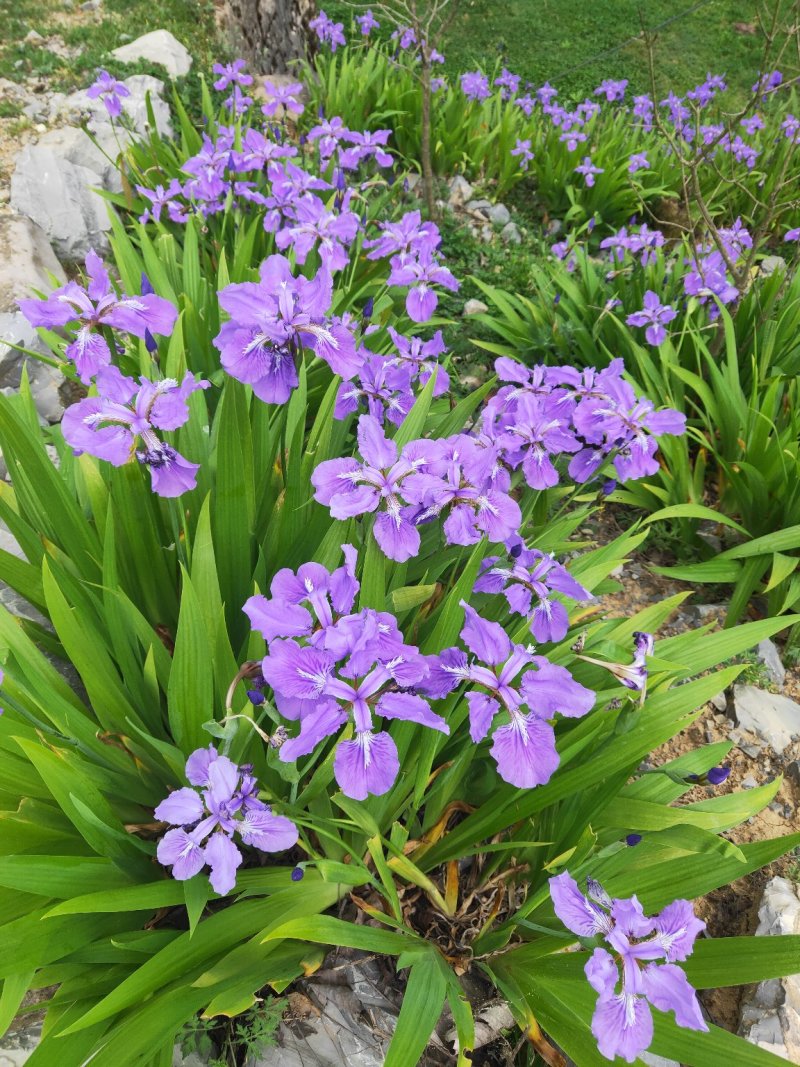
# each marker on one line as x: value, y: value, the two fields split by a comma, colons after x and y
x: 508, y: 83
x: 327, y: 31
x: 464, y: 478
x: 162, y: 198
x: 369, y: 144
x: 767, y: 83
x: 752, y: 123
x: 367, y: 23
x: 717, y: 775
x: 634, y: 675
x: 709, y: 277
x: 546, y: 412
x: 305, y: 603
x: 285, y: 96
x: 382, y: 386
x: 612, y: 90
x: 622, y: 1023
x: 621, y: 422
x: 524, y: 749
x: 588, y: 170
x: 541, y: 429
x: 643, y: 108
x: 110, y: 91
x: 572, y: 138
x: 743, y: 152
x: 475, y: 85
x: 420, y: 358
x: 791, y: 128
x: 792, y: 235
x: 94, y: 307
x: 314, y: 226
x: 528, y: 579
x: 546, y: 94
x: 643, y: 242
x: 120, y: 423
x: 361, y: 668
x: 208, y: 167
x: 638, y: 161
x: 377, y: 484
x: 223, y: 803
x: 272, y: 320
x: 405, y: 37
x: 523, y: 149
x: 654, y: 316
x: 231, y: 74
x: 409, y: 234
x: 420, y: 273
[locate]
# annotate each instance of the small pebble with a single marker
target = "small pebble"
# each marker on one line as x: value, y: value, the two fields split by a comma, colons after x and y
x: 749, y: 782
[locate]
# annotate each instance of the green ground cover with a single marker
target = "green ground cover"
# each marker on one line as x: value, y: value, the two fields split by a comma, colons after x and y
x: 575, y: 46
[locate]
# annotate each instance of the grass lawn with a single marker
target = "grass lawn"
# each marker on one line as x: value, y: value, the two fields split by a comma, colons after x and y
x: 561, y: 41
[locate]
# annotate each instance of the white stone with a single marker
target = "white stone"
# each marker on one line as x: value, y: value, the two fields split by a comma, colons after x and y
x: 770, y: 264
x: 17, y: 1047
x: 767, y: 653
x: 499, y: 214
x: 158, y: 46
x: 652, y: 1060
x: 28, y: 262
x: 474, y: 307
x: 510, y: 234
x: 771, y: 1013
x: 75, y: 145
x: 772, y: 717
x: 58, y: 196
x: 45, y: 381
x: 460, y: 190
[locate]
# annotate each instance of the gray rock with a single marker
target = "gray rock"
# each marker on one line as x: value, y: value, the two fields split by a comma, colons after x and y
x: 28, y: 262
x: 771, y: 264
x: 158, y: 46
x: 460, y: 190
x: 45, y: 380
x: 193, y: 1059
x: 474, y: 307
x: 767, y: 653
x: 510, y: 234
x: 720, y: 702
x: 480, y: 206
x: 749, y: 782
x: 32, y: 37
x: 17, y: 1046
x: 499, y: 214
x: 554, y: 227
x: 704, y: 613
x: 98, y: 155
x: 771, y: 1012
x: 652, y: 1060
x: 341, y: 1031
x: 793, y: 772
x: 58, y: 196
x: 772, y: 717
